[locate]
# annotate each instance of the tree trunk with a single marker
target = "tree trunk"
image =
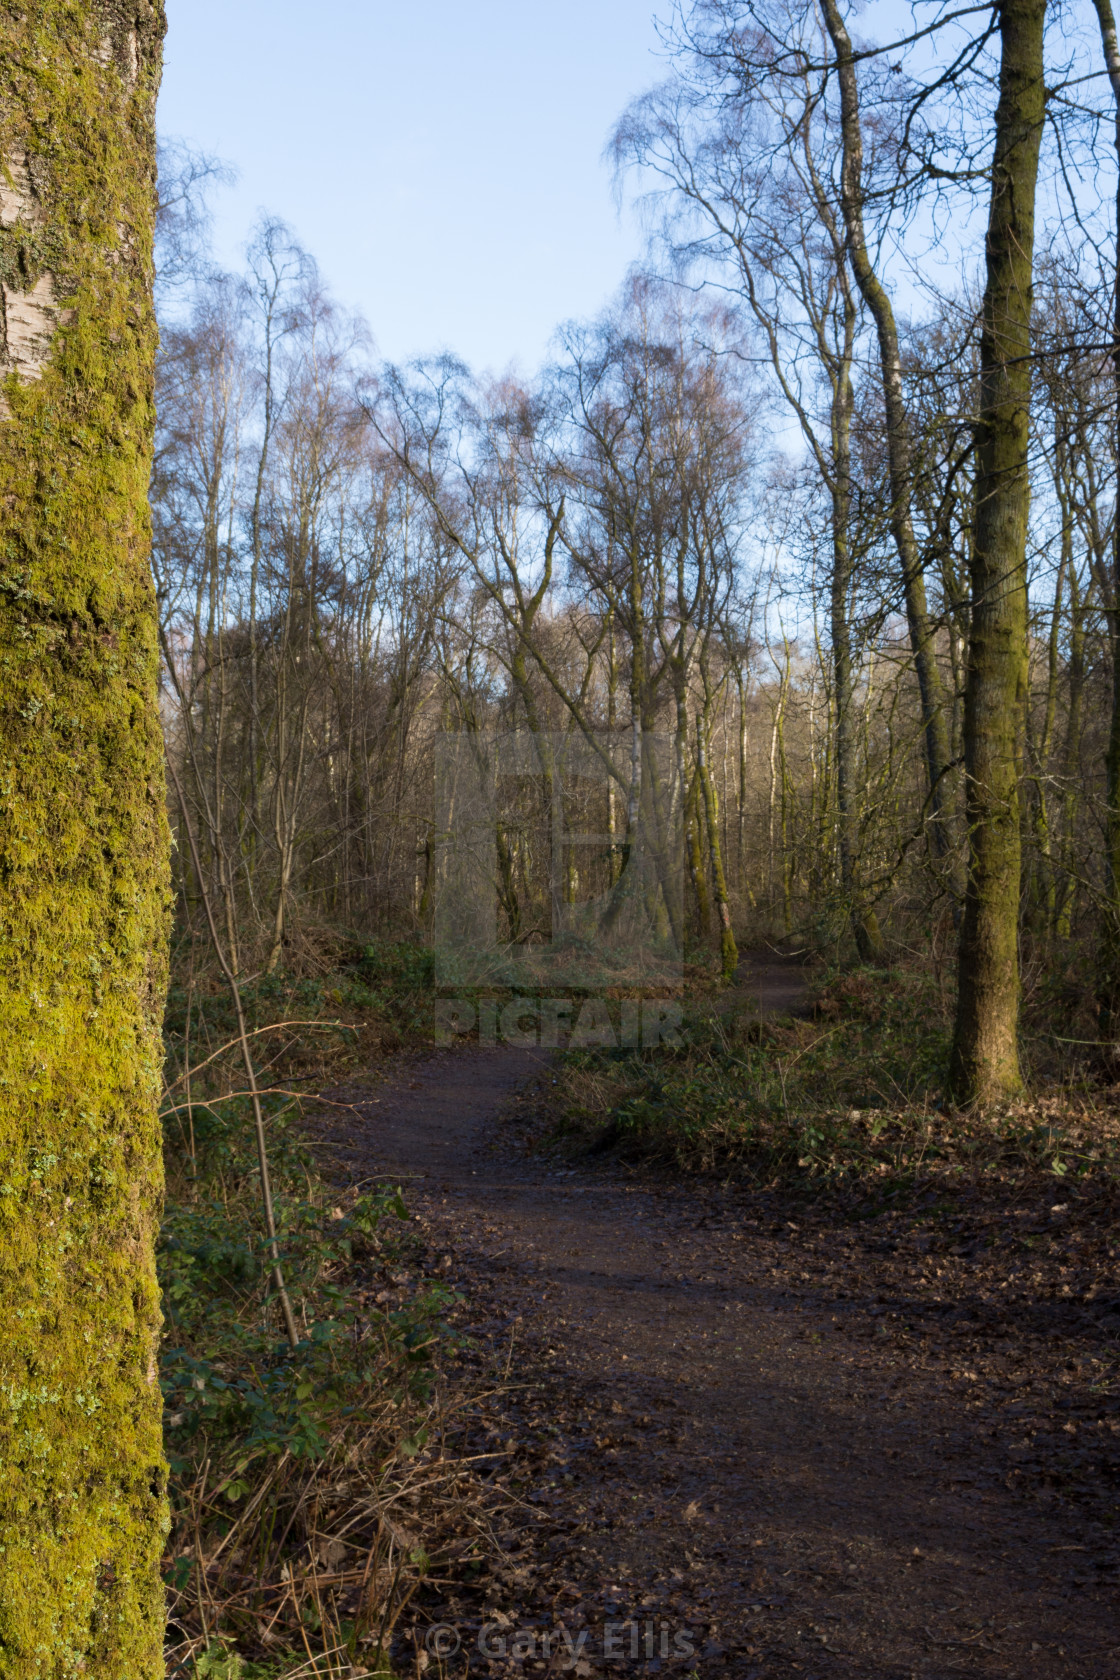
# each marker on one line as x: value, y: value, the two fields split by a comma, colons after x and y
x: 1108, y: 967
x: 695, y: 853
x: 1071, y: 781
x: 985, y: 1059
x: 728, y: 950
x: 900, y: 451
x: 83, y: 848
x: 865, y: 929
x: 1041, y: 884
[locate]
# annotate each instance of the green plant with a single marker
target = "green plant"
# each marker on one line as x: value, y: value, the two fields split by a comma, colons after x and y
x: 272, y: 1447
x: 850, y: 1096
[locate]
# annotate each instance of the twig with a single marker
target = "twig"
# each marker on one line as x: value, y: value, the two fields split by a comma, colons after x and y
x: 276, y: 1091
x: 246, y: 1056
x: 250, y: 1507
x: 226, y: 1096
x: 234, y: 1043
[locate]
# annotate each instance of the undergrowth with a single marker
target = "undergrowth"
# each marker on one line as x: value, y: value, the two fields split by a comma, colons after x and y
x: 849, y: 1094
x: 312, y: 1488
x: 376, y: 1002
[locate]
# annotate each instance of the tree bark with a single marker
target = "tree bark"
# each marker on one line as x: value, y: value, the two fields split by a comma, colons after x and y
x: 985, y: 1057
x: 728, y: 949
x: 865, y: 928
x: 695, y: 854
x: 1108, y: 965
x: 900, y: 450
x: 83, y: 847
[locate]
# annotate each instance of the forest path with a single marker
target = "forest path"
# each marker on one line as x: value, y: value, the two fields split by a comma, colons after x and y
x: 740, y: 1445
x: 773, y: 980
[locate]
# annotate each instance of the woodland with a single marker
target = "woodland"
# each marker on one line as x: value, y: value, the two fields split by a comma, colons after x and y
x: 743, y: 507
x: 827, y: 502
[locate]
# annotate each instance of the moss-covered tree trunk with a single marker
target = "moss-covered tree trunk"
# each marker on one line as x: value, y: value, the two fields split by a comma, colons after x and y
x: 83, y: 847
x: 985, y: 1061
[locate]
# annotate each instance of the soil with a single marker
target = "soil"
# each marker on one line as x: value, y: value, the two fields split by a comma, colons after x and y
x: 758, y: 1438
x: 774, y: 980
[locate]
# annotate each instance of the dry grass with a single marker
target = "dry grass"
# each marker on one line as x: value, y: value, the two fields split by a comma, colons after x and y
x: 314, y: 1491
x: 325, y: 1555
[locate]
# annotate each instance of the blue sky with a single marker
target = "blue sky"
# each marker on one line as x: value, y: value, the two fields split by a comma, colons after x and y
x: 443, y: 162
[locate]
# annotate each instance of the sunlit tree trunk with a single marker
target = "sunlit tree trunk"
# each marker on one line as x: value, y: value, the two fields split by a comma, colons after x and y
x: 741, y: 789
x: 1043, y: 888
x: 865, y: 927
x: 728, y: 950
x: 83, y: 848
x: 900, y: 453
x: 985, y: 1059
x: 1071, y: 750
x: 695, y: 853
x: 1108, y: 975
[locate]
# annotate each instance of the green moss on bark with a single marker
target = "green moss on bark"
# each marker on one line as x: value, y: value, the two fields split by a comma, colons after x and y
x: 83, y: 856
x: 985, y: 1060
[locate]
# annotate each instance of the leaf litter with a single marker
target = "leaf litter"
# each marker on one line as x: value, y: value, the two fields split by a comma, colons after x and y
x: 859, y: 1434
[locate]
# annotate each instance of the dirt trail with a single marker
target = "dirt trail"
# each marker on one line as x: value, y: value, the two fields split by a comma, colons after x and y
x: 774, y: 981
x: 740, y: 1449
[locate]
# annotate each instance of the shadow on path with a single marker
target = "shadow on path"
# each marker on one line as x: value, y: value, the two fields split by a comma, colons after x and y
x: 728, y: 1456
